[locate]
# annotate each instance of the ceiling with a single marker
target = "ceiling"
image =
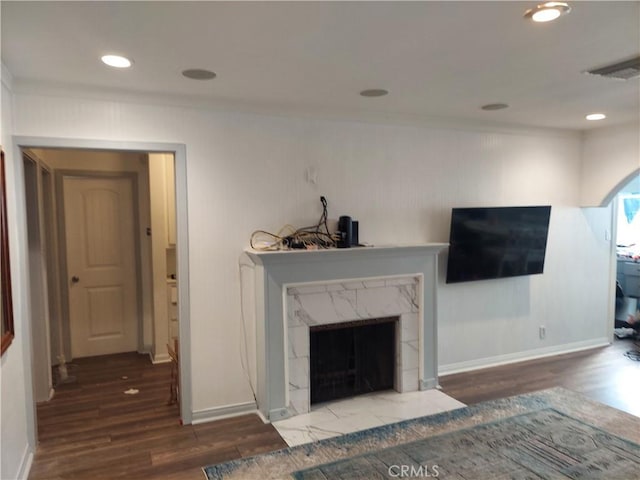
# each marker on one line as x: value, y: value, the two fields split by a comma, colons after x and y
x: 439, y: 60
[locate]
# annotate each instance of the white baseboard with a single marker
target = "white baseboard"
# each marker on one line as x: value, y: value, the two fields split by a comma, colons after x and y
x: 227, y: 411
x: 162, y: 358
x: 262, y: 417
x: 428, y: 384
x: 498, y: 360
x: 25, y: 463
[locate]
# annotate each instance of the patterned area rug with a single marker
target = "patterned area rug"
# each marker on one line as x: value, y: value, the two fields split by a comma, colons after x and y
x: 553, y: 434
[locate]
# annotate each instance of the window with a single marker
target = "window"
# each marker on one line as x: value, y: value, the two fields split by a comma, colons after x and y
x: 629, y: 221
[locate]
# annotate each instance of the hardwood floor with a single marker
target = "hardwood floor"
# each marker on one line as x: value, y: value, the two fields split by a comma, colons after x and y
x: 91, y: 429
x: 603, y: 374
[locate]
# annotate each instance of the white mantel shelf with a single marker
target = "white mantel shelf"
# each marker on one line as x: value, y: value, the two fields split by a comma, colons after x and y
x: 340, y: 254
x: 275, y: 271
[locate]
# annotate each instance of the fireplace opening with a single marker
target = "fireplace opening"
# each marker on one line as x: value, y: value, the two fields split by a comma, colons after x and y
x: 353, y: 358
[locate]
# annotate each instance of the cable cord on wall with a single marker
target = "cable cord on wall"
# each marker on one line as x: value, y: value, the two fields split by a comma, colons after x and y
x: 288, y: 237
x: 244, y: 356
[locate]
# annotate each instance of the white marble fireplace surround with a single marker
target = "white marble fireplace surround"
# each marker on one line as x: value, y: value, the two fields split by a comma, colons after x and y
x: 297, y: 289
x: 348, y: 301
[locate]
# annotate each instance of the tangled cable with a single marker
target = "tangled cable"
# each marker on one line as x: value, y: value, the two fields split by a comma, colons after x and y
x: 288, y: 237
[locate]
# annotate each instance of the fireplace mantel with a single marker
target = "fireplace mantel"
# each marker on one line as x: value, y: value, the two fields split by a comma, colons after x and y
x: 276, y: 271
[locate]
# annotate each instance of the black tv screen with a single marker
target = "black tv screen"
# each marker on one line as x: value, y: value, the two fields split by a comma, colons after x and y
x: 497, y: 242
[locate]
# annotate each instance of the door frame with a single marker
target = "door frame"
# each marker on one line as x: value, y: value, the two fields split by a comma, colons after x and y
x: 611, y: 200
x: 60, y: 175
x: 38, y: 265
x: 179, y: 151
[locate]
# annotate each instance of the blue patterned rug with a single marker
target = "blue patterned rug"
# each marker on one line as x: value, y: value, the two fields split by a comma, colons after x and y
x: 554, y: 434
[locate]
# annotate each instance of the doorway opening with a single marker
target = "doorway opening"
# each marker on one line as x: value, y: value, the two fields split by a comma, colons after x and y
x: 626, y: 221
x: 103, y: 256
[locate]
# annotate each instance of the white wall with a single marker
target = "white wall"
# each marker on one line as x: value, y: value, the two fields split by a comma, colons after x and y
x: 499, y: 320
x: 247, y: 172
x: 611, y: 157
x: 16, y: 394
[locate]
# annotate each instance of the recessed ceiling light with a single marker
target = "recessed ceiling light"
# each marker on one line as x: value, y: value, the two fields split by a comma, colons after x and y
x: 116, y: 61
x: 374, y: 92
x: 545, y: 12
x: 198, y: 74
x: 596, y: 116
x: 494, y: 106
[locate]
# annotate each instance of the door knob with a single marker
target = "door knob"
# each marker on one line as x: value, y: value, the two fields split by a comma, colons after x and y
x: 75, y: 279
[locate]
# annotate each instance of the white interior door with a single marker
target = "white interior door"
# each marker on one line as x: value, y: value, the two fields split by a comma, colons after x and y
x: 101, y: 265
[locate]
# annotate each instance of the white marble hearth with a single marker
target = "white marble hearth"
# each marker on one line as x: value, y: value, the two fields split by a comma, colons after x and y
x: 294, y: 290
x: 359, y: 413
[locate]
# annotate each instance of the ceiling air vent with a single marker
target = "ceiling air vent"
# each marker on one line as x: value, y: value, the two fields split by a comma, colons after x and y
x: 622, y: 70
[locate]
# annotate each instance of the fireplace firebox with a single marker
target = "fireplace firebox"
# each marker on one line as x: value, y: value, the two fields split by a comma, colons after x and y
x: 352, y: 358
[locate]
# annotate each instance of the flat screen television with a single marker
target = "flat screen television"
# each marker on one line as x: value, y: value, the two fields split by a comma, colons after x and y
x: 497, y: 242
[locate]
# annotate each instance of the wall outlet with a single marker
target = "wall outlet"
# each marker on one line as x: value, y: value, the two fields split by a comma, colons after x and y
x: 542, y: 332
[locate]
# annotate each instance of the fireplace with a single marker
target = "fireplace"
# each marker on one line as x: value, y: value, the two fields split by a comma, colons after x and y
x: 342, y: 307
x: 353, y: 358
x: 296, y: 293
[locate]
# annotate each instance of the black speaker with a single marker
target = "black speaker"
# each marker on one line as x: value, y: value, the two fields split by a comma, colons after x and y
x: 354, y: 233
x: 345, y: 232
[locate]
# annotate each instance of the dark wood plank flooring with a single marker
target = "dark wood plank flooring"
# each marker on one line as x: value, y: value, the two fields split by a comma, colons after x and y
x: 91, y: 429
x: 603, y: 374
